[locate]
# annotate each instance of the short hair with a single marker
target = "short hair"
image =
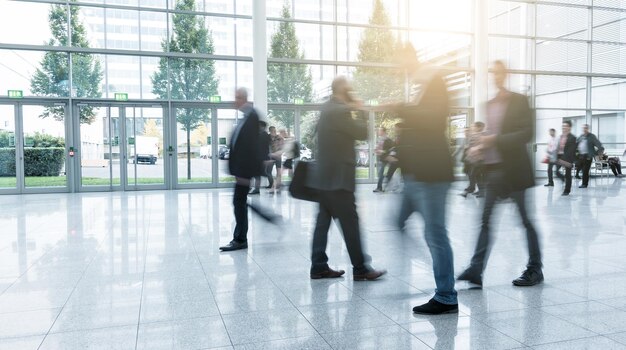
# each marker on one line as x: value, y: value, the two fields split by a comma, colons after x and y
x: 272, y: 127
x: 586, y: 126
x: 479, y: 125
x: 499, y: 63
x: 262, y: 123
x: 337, y: 83
x: 243, y: 92
x: 552, y: 129
x: 568, y: 122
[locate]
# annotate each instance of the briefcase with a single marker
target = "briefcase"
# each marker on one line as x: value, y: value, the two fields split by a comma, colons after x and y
x: 298, y: 187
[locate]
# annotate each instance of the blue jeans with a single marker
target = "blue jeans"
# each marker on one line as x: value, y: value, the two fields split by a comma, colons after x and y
x: 429, y: 199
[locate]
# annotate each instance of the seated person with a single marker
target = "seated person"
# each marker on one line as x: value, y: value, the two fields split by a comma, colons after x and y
x: 614, y: 163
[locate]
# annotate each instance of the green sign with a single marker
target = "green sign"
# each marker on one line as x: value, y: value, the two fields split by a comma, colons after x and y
x: 373, y: 102
x: 298, y: 101
x: 131, y: 140
x: 208, y: 140
x: 121, y: 96
x: 15, y: 94
x: 215, y: 98
x: 222, y: 140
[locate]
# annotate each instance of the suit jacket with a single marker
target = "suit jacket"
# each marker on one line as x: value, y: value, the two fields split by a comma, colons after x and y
x: 388, y: 144
x: 245, y: 159
x: 423, y: 150
x: 336, y: 159
x: 264, y: 145
x: 592, y: 144
x: 569, y: 152
x: 515, y: 134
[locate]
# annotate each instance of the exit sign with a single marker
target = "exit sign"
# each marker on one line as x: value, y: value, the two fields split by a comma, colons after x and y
x: 215, y: 98
x: 121, y: 96
x: 15, y: 94
x: 298, y: 101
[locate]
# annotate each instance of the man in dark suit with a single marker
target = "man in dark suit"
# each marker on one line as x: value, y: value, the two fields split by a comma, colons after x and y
x: 334, y: 178
x: 383, y: 147
x: 508, y: 173
x: 566, y: 155
x: 245, y: 162
x: 587, y: 144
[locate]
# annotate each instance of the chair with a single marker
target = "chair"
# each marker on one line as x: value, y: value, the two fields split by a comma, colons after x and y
x: 600, y: 166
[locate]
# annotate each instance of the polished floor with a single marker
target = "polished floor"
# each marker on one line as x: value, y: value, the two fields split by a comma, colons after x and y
x: 143, y: 271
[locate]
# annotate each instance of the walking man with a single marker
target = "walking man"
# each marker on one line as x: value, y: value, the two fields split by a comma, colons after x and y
x: 551, y: 156
x: 566, y: 154
x: 508, y: 173
x: 587, y: 144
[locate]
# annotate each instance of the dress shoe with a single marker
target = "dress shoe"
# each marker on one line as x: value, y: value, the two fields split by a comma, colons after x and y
x: 479, y: 194
x: 549, y: 184
x: 582, y: 186
x: 577, y: 176
x: 530, y: 277
x: 433, y: 307
x: 330, y: 273
x: 472, y: 277
x: 565, y: 193
x: 255, y: 192
x: 463, y: 194
x: 369, y: 275
x: 268, y: 187
x: 378, y: 189
x: 234, y: 245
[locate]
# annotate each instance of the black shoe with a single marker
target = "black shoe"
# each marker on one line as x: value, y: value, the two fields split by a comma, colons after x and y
x: 255, y: 192
x: 582, y: 186
x: 234, y: 245
x: 549, y: 184
x: 470, y: 276
x: 530, y: 277
x: 464, y: 194
x: 268, y: 187
x: 369, y: 275
x: 565, y: 193
x: 330, y: 273
x: 578, y: 177
x: 433, y: 307
x: 378, y: 189
x: 479, y: 194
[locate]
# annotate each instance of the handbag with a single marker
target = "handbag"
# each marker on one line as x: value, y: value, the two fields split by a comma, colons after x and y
x: 298, y: 187
x: 565, y: 164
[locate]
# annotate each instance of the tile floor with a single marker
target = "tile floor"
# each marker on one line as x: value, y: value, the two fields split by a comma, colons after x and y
x: 143, y: 271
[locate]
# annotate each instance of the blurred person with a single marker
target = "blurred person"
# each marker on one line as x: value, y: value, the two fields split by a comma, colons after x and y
x: 245, y: 162
x: 383, y: 146
x: 334, y: 178
x: 475, y: 171
x: 551, y: 156
x: 276, y: 153
x: 508, y: 173
x: 424, y: 140
x: 291, y: 151
x: 392, y: 158
x: 264, y: 149
x: 587, y: 144
x: 614, y: 163
x: 566, y: 156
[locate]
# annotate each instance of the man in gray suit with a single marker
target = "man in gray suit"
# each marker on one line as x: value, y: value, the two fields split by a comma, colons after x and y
x: 334, y: 178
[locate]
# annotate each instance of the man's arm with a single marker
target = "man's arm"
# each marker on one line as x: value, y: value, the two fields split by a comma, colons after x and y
x: 355, y: 128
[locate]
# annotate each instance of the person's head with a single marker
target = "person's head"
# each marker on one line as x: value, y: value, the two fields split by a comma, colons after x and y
x: 382, y: 131
x: 435, y: 95
x: 262, y: 125
x: 499, y: 74
x: 478, y: 127
x: 567, y: 127
x: 552, y: 132
x: 272, y: 130
x: 342, y: 90
x: 241, y: 97
x: 283, y: 133
x: 585, y: 129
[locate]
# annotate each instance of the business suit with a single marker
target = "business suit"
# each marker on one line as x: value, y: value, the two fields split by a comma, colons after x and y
x: 382, y: 160
x: 586, y: 155
x: 568, y: 154
x: 334, y: 177
x: 264, y: 154
x: 245, y: 162
x: 509, y: 176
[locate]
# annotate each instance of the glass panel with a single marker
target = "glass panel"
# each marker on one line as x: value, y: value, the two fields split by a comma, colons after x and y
x: 28, y: 23
x: 459, y: 120
x: 194, y: 142
x: 506, y: 17
x: 608, y: 93
x: 122, y: 29
x: 96, y: 144
x: 308, y: 137
x: 562, y: 56
x: 226, y: 119
x: 115, y: 139
x: 7, y: 147
x: 609, y: 128
x: 562, y: 22
x: 560, y: 91
x: 44, y: 146
x: 144, y: 135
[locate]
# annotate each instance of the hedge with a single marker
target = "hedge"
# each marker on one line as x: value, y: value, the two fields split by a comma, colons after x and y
x: 38, y: 161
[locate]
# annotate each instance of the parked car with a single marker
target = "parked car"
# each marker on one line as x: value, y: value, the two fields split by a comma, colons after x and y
x: 146, y: 149
x: 305, y: 153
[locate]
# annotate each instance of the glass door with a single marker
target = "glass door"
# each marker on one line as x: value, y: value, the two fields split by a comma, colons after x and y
x: 8, y: 150
x: 121, y: 148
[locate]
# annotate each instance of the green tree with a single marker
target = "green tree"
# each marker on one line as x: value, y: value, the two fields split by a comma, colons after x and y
x: 378, y: 45
x: 189, y: 79
x: 286, y: 81
x: 52, y: 78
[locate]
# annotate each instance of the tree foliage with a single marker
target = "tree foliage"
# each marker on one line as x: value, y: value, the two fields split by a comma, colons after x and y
x: 378, y: 45
x: 286, y: 81
x: 188, y: 79
x: 52, y: 78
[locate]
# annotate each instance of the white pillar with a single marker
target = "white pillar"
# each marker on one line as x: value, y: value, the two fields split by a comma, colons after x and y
x: 481, y: 58
x: 259, y: 55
